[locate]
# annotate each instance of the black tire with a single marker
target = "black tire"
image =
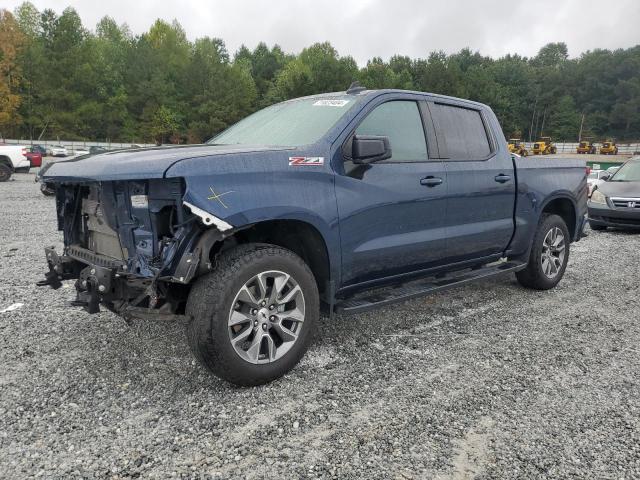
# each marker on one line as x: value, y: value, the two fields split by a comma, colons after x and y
x: 5, y: 172
x: 595, y: 226
x: 533, y: 275
x: 210, y: 302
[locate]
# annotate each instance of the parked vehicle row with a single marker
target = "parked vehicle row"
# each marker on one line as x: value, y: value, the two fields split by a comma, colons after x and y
x: 608, y: 147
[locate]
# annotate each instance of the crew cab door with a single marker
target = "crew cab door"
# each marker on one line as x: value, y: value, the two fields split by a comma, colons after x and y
x: 392, y: 212
x: 481, y: 181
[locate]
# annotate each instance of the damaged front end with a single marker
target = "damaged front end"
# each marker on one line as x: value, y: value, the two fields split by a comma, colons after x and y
x: 130, y: 245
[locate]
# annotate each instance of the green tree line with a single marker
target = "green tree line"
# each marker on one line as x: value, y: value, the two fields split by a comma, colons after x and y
x: 60, y: 79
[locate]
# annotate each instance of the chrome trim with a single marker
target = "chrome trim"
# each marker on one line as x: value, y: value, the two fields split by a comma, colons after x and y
x: 625, y: 199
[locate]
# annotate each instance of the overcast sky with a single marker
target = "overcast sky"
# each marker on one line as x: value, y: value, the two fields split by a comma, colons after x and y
x: 367, y: 28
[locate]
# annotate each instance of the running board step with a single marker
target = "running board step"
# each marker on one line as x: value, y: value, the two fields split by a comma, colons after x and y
x: 369, y: 300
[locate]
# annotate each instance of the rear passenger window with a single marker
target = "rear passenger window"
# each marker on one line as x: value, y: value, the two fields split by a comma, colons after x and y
x: 401, y: 122
x: 462, y: 132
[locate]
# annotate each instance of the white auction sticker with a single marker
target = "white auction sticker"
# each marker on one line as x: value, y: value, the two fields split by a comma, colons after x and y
x: 330, y: 103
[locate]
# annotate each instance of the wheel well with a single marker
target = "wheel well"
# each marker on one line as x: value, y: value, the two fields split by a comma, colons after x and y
x: 300, y: 237
x: 565, y: 209
x: 6, y: 161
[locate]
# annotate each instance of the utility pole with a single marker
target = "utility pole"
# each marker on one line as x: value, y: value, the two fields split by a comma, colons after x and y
x: 544, y: 117
x: 581, y: 124
x: 533, y: 115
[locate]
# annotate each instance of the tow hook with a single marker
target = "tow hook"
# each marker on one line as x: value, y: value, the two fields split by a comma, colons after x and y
x: 92, y: 284
x: 60, y: 268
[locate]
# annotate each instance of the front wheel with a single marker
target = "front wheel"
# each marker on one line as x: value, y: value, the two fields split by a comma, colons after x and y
x: 253, y: 317
x: 549, y: 255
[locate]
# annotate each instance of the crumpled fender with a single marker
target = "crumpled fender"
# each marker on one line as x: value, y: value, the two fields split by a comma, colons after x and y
x: 246, y: 190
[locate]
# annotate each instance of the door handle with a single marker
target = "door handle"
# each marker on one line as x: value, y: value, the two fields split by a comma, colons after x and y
x: 431, y: 181
x: 502, y: 178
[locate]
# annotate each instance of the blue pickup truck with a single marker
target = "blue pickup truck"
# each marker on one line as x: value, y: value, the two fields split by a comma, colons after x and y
x: 345, y: 201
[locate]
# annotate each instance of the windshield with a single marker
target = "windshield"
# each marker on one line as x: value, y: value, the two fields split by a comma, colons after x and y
x: 289, y: 124
x: 629, y: 172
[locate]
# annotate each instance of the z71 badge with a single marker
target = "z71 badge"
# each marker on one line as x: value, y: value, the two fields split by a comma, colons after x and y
x: 305, y: 161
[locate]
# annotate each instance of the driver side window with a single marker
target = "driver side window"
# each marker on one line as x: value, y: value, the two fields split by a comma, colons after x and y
x: 400, y: 121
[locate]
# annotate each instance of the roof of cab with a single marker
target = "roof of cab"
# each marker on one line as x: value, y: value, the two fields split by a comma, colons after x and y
x: 383, y: 91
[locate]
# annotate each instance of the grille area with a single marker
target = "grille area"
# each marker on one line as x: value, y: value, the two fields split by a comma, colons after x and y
x: 626, y: 202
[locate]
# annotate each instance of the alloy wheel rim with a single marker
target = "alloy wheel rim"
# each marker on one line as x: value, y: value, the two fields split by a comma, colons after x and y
x: 553, y: 253
x: 266, y: 317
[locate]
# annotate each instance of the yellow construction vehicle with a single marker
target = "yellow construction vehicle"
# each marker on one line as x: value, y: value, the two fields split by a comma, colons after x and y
x: 544, y: 146
x: 586, y: 146
x: 517, y: 146
x: 609, y: 147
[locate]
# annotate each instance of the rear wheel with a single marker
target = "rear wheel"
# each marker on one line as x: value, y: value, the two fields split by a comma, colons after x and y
x: 549, y: 255
x: 253, y: 317
x: 5, y: 172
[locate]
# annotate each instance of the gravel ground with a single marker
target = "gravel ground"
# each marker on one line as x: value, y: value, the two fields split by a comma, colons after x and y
x: 485, y: 381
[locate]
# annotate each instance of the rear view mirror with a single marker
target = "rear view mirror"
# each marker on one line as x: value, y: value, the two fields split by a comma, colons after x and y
x: 370, y: 148
x: 605, y: 177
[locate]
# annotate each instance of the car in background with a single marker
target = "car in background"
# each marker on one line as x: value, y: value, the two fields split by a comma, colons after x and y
x: 58, y: 151
x: 13, y: 158
x: 35, y: 157
x: 38, y: 149
x: 595, y: 178
x: 616, y: 202
x: 81, y: 151
x: 95, y: 149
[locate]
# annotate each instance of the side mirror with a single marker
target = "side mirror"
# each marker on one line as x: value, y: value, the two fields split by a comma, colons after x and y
x: 605, y: 177
x: 370, y: 149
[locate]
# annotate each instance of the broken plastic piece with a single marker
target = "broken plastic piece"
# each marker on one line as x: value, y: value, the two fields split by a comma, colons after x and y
x: 207, y: 218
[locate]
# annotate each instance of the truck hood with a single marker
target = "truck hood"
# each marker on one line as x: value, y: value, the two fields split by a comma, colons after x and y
x: 136, y: 164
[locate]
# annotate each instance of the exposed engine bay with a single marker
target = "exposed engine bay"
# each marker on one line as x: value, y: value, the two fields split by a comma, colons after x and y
x: 125, y: 241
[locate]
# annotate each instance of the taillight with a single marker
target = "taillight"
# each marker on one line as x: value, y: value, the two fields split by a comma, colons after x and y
x: 588, y: 170
x: 24, y: 152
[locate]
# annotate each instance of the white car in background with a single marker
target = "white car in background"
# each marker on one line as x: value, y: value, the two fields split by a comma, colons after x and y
x: 81, y: 151
x: 57, y: 151
x: 13, y: 158
x: 595, y: 178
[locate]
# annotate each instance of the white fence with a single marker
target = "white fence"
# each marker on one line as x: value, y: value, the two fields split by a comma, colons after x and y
x: 72, y: 146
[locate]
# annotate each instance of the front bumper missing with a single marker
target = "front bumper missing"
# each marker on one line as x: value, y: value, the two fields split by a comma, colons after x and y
x: 95, y: 284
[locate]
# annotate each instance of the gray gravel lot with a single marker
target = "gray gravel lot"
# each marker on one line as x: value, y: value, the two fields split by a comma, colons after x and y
x: 486, y: 381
